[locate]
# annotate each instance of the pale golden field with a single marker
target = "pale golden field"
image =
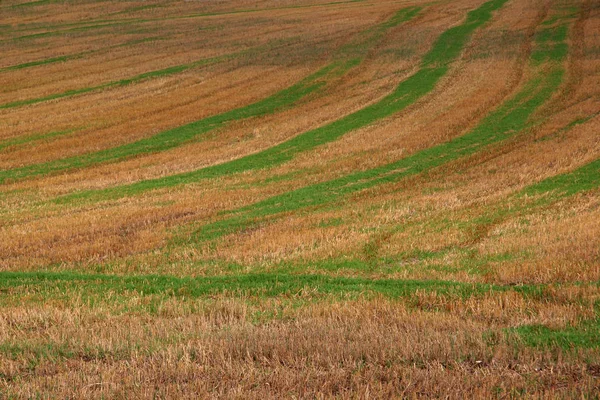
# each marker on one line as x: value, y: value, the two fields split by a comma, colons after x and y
x: 300, y: 199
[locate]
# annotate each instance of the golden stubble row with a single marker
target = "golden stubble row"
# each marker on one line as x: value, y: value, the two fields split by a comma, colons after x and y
x: 377, y: 348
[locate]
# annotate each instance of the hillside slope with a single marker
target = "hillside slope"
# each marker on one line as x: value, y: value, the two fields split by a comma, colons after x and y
x: 359, y: 198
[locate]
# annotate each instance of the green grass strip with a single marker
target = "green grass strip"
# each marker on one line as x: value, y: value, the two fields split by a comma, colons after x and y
x: 69, y: 30
x: 584, y: 335
x: 264, y: 285
x: 123, y: 82
x: 35, y: 3
x: 39, y: 62
x: 75, y: 56
x: 406, y: 93
x: 22, y: 140
x: 582, y: 179
x: 180, y: 135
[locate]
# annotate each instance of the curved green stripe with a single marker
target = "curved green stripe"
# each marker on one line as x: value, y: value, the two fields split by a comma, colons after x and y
x: 21, y: 140
x: 506, y: 121
x: 74, y: 56
x: 432, y: 69
x: 180, y: 135
x: 582, y: 179
x: 123, y: 82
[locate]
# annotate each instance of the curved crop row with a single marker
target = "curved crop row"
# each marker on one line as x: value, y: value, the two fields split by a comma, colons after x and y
x: 93, y: 24
x: 508, y: 120
x: 180, y: 135
x: 123, y: 82
x: 74, y: 56
x: 433, y: 67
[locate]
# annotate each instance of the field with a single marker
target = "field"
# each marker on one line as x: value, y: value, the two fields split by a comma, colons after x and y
x: 300, y: 199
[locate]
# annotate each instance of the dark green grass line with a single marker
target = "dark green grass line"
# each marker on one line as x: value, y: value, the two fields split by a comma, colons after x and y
x: 69, y: 30
x: 39, y: 62
x: 582, y: 179
x: 22, y: 140
x: 34, y: 3
x: 123, y: 82
x: 268, y: 285
x: 180, y: 135
x: 405, y: 94
x: 75, y: 56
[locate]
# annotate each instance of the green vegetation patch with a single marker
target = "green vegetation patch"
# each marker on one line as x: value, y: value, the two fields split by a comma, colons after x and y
x: 583, y: 335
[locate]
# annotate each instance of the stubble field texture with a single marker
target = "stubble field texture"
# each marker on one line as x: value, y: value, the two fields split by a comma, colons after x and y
x: 300, y: 199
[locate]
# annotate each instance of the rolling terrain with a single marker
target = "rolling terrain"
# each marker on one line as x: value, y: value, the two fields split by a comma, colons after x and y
x: 299, y: 199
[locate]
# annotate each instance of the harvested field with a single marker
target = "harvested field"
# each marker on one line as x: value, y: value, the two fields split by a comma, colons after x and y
x: 300, y: 199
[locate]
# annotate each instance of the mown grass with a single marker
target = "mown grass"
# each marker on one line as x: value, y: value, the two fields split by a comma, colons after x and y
x: 433, y: 68
x: 180, y: 135
x: 398, y: 291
